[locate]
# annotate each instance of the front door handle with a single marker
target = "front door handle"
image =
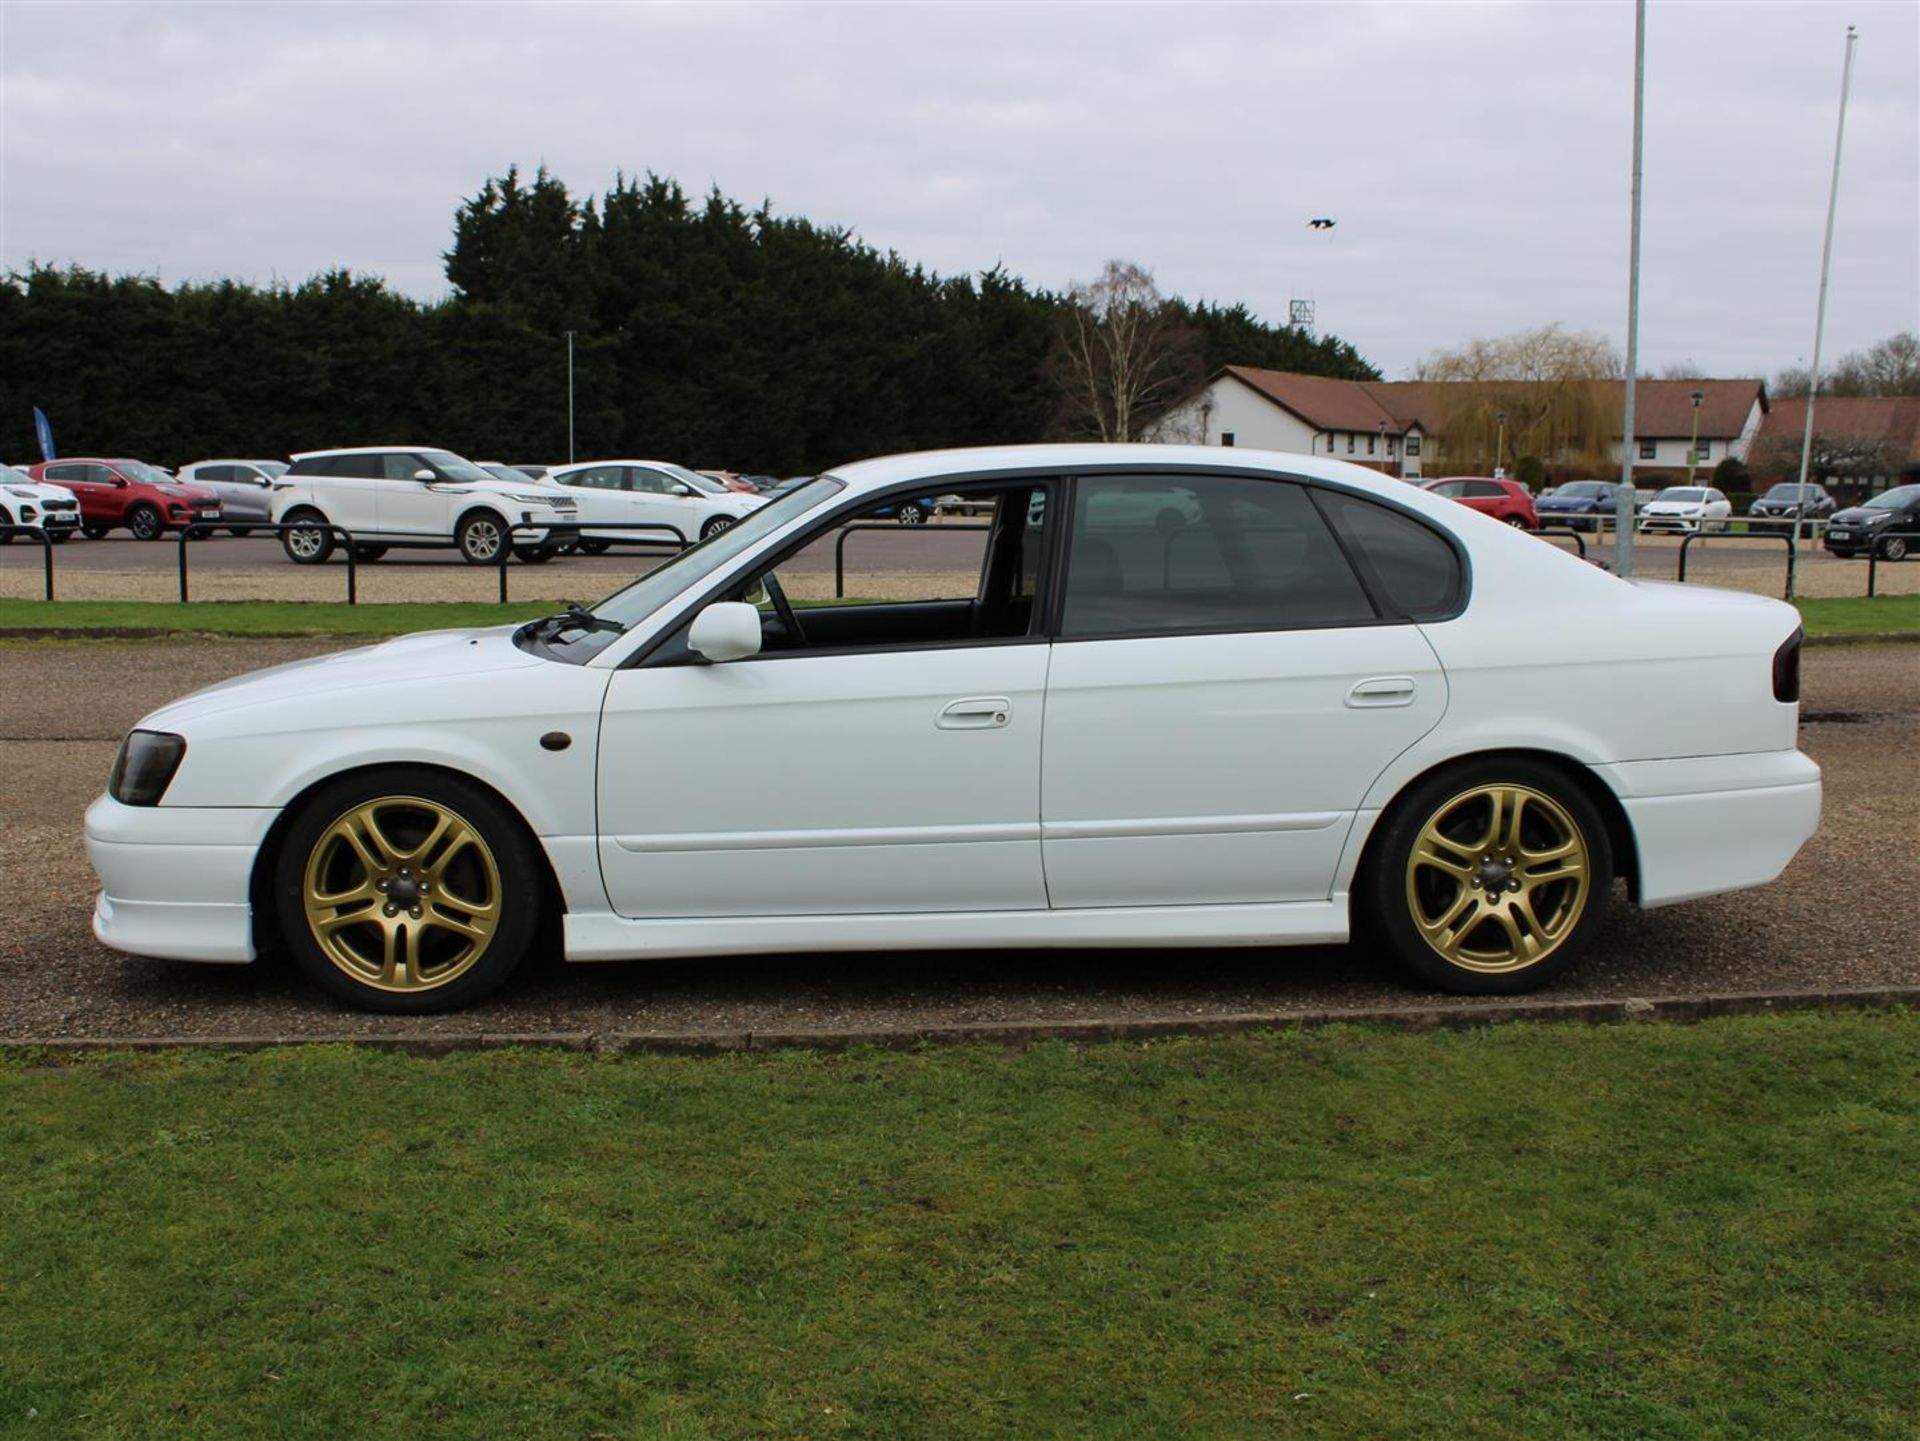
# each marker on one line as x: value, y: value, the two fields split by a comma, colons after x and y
x: 976, y: 713
x: 1381, y: 691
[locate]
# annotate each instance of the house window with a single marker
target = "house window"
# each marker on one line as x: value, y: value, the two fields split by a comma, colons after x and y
x: 1369, y: 445
x: 1413, y: 445
x: 1349, y: 442
x: 1646, y: 449
x: 1226, y: 437
x: 1704, y: 451
x: 1330, y: 439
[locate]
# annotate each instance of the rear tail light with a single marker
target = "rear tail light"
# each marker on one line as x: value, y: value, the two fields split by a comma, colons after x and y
x: 1786, y: 669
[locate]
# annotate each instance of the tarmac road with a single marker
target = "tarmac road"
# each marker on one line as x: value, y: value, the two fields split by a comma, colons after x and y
x: 1843, y: 915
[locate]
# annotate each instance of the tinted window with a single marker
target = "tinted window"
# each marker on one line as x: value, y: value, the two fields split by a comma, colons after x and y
x: 1484, y: 489
x: 59, y: 473
x: 1411, y: 568
x: 1152, y: 555
x: 398, y: 465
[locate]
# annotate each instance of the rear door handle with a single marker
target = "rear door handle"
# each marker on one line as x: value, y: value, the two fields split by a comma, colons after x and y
x: 976, y: 713
x: 1381, y: 691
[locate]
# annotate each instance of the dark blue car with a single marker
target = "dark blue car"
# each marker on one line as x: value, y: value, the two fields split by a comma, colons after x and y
x: 1578, y: 504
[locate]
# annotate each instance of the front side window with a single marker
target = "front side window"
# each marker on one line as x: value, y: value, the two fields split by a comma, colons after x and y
x: 452, y: 467
x: 397, y: 465
x: 1153, y: 555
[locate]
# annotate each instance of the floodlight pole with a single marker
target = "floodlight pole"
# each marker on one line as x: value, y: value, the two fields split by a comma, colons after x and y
x: 1820, y: 311
x: 1624, y: 496
x: 569, y: 397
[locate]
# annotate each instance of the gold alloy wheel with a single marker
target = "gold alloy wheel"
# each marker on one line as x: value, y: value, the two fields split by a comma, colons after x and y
x: 402, y: 894
x: 1498, y: 878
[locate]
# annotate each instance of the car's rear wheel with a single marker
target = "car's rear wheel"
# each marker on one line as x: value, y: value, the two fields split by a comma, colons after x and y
x: 95, y: 532
x: 593, y: 547
x: 1489, y: 878
x: 480, y: 535
x: 715, y: 526
x: 368, y: 554
x: 145, y: 522
x: 407, y: 891
x: 59, y: 537
x: 1894, y: 547
x: 1518, y: 522
x: 307, y: 541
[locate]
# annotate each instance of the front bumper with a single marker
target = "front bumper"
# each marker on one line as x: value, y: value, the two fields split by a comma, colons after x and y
x: 1707, y: 824
x: 175, y: 879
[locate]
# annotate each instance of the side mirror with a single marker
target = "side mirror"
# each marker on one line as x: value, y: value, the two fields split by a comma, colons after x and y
x: 726, y: 630
x: 425, y: 475
x: 680, y: 487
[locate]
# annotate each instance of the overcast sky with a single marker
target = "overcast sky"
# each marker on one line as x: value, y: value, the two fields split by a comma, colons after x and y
x: 1475, y: 156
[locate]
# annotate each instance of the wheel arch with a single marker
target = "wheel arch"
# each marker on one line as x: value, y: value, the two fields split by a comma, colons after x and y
x: 1620, y: 838
x: 266, y: 935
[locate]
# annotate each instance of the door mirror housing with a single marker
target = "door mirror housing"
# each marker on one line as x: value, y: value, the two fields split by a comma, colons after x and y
x: 425, y: 475
x: 679, y: 487
x: 726, y: 630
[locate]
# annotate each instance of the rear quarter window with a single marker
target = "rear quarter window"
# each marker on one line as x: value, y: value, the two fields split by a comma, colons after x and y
x: 1414, y: 571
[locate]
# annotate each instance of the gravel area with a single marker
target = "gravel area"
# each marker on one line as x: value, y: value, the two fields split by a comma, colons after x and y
x: 1842, y: 916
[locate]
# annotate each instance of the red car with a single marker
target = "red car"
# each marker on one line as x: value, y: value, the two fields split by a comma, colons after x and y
x: 1505, y: 500
x: 142, y: 497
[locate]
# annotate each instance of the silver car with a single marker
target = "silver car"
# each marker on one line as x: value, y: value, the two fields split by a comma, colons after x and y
x: 245, y: 487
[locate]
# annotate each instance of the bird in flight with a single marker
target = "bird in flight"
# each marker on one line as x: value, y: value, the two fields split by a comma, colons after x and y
x: 1320, y: 223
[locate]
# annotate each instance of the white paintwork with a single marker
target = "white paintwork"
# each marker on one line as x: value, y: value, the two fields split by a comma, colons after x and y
x: 21, y: 493
x: 727, y: 630
x: 401, y: 510
x: 649, y: 492
x: 1711, y: 511
x: 1204, y: 790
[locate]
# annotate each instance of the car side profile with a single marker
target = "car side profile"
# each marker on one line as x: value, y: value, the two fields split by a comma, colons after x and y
x: 414, y: 496
x: 1507, y: 501
x: 1579, y: 504
x: 1294, y: 719
x: 124, y: 492
x: 245, y: 487
x: 24, y: 501
x: 687, y: 505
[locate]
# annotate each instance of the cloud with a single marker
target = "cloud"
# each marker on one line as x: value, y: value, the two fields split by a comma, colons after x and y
x: 1476, y: 156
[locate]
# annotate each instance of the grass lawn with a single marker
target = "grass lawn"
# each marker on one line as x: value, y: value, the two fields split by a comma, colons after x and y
x: 1653, y: 1231
x: 1858, y: 615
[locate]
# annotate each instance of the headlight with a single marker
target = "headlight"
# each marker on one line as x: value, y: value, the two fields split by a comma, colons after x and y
x: 145, y: 767
x: 552, y: 500
x: 23, y: 494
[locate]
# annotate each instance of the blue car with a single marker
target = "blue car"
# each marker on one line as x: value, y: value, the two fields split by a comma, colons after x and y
x: 1578, y: 504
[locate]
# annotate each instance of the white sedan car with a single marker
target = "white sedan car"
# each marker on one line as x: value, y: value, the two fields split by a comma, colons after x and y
x: 682, y: 505
x: 1684, y: 509
x: 1329, y: 703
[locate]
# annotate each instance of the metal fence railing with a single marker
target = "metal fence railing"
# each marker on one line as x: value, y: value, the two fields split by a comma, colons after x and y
x: 555, y: 539
x: 201, y: 529
x: 34, y: 532
x: 840, y: 542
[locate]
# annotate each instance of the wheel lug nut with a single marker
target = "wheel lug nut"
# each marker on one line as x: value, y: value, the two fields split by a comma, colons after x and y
x: 415, y: 913
x: 390, y: 910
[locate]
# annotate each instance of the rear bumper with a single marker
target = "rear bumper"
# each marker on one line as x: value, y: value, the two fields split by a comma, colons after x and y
x: 1708, y: 824
x: 174, y: 880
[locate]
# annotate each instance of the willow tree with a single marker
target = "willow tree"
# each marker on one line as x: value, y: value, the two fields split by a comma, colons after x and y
x: 1551, y: 385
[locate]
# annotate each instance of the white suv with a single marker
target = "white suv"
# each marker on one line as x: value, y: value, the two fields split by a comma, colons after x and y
x: 26, y: 501
x: 415, y: 495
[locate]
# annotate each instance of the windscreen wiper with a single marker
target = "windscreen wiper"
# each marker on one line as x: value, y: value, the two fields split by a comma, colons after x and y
x: 575, y: 617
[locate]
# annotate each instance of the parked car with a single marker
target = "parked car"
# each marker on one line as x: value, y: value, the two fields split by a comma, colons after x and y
x: 142, y: 497
x: 245, y: 487
x: 1777, y: 509
x: 414, y: 496
x: 531, y: 472
x: 406, y: 819
x: 26, y: 501
x: 1579, y: 504
x: 729, y: 479
x: 1683, y: 509
x: 1888, y: 522
x: 651, y: 492
x: 1507, y: 501
x: 500, y: 470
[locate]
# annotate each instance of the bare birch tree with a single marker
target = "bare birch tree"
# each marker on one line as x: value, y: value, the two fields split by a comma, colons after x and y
x: 1124, y: 354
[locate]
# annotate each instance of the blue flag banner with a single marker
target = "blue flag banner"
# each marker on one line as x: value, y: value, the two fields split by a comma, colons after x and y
x: 43, y: 432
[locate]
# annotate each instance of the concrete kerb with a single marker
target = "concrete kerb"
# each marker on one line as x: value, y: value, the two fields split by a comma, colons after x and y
x: 1017, y: 1035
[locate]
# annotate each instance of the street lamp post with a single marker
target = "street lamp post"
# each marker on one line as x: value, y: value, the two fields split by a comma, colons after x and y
x: 1500, y: 448
x: 1693, y: 445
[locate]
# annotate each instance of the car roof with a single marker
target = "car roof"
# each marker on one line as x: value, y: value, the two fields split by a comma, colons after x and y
x: 368, y: 450
x: 587, y: 464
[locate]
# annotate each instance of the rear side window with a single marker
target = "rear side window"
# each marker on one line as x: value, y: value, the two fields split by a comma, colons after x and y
x: 1414, y: 571
x: 1161, y: 555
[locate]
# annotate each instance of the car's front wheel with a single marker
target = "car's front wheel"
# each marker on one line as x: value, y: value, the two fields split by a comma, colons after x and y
x: 715, y: 526
x: 145, y: 522
x: 407, y: 891
x: 1894, y: 547
x: 1489, y: 878
x: 95, y: 532
x: 368, y: 554
x: 593, y: 547
x: 306, y: 540
x: 480, y: 536
x: 911, y: 513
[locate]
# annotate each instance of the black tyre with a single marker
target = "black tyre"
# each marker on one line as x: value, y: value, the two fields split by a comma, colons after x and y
x: 59, y: 537
x: 911, y: 512
x: 6, y: 518
x: 480, y: 535
x: 1488, y: 878
x: 145, y: 522
x: 407, y: 891
x: 723, y: 522
x: 95, y: 532
x: 235, y: 533
x: 307, y: 541
x: 1518, y: 522
x: 533, y: 554
x: 593, y: 547
x: 368, y: 554
x: 1894, y: 547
